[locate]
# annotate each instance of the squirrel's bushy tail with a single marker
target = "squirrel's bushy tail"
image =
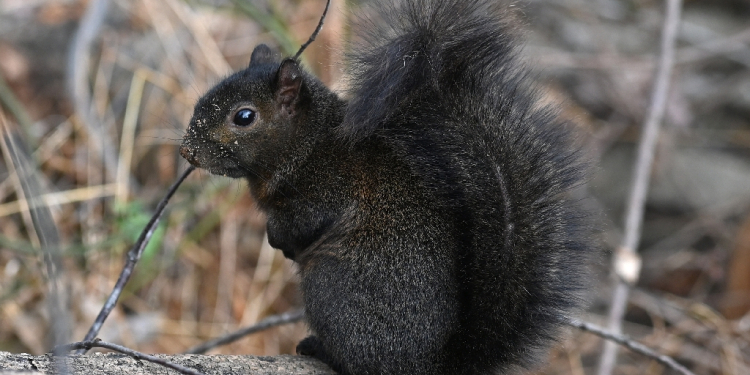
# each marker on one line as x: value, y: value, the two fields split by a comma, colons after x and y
x: 440, y: 83
x: 452, y: 46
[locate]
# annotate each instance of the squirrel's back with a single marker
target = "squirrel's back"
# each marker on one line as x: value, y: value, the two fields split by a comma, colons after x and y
x: 440, y: 81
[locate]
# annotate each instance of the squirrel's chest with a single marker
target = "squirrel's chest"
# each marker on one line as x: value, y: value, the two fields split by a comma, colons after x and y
x: 293, y: 228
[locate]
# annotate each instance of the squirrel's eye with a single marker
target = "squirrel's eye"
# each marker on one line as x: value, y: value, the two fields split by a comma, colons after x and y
x: 244, y: 117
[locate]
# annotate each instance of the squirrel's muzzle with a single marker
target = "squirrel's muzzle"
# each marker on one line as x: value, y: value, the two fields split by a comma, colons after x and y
x: 189, y: 155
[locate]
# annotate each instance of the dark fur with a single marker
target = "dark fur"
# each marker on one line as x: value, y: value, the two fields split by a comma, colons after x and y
x: 428, y: 213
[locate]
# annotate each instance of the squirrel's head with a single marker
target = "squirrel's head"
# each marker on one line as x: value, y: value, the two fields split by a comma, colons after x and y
x: 254, y: 120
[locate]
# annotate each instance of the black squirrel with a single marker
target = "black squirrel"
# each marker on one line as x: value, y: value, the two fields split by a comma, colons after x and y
x: 428, y: 213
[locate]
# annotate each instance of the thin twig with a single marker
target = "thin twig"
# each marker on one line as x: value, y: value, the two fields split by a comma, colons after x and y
x: 86, y: 345
x: 271, y: 321
x: 133, y: 256
x: 315, y: 33
x: 626, y: 260
x: 630, y: 344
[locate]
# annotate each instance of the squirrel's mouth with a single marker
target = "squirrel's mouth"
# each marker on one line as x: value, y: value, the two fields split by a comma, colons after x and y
x: 233, y: 172
x: 224, y: 166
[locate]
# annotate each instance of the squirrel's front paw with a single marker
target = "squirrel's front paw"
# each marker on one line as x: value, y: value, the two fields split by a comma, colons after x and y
x: 310, y: 346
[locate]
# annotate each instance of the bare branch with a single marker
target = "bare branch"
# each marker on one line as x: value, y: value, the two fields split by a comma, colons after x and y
x: 87, y: 345
x: 133, y: 256
x: 271, y: 321
x: 630, y: 344
x: 627, y: 261
x: 316, y: 32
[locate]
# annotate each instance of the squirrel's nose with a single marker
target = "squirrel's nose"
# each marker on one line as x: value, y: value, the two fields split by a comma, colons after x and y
x: 189, y: 154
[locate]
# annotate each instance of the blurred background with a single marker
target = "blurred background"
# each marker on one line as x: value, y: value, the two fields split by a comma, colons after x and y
x: 95, y: 108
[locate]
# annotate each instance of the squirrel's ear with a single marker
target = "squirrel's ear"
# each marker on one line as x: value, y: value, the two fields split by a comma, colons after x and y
x: 262, y: 54
x: 288, y: 84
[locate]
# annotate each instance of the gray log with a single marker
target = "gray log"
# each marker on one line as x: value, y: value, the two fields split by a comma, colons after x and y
x: 120, y: 364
